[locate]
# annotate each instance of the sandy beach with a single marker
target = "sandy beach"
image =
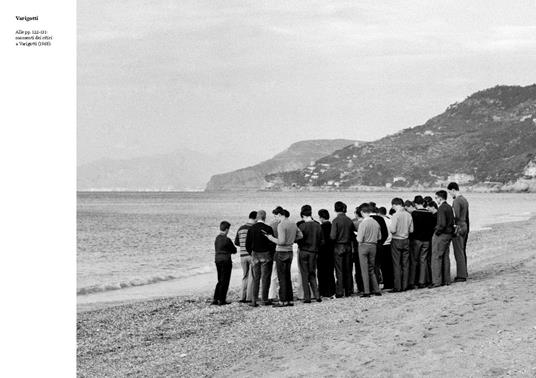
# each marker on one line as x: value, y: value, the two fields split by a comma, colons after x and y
x: 483, y: 327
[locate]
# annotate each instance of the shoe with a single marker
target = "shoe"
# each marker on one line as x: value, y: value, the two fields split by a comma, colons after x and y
x: 396, y: 291
x: 243, y: 301
x: 338, y: 296
x: 267, y: 303
x: 307, y: 301
x: 319, y: 299
x: 215, y: 303
x: 411, y: 287
x: 223, y: 303
x: 460, y: 279
x: 365, y: 295
x: 253, y: 304
x: 278, y: 304
x: 289, y: 304
x: 378, y: 294
x: 421, y: 286
x: 433, y: 286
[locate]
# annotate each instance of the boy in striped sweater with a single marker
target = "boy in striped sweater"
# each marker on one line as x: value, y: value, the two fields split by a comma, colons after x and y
x: 245, y: 258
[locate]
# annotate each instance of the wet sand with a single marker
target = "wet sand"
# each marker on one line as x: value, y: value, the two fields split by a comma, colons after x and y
x: 483, y: 327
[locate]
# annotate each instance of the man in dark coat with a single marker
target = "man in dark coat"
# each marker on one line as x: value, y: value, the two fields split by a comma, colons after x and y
x: 444, y: 231
x: 326, y: 262
x: 460, y: 207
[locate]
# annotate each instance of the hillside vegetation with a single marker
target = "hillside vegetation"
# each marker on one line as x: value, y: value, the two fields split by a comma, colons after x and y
x: 489, y: 139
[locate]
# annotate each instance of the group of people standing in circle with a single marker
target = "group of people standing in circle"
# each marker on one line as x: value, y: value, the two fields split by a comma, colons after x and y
x: 401, y: 249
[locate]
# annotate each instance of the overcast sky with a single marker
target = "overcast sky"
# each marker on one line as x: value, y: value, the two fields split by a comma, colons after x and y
x: 256, y: 76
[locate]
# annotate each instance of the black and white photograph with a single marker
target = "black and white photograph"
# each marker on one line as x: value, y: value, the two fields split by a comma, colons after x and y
x: 299, y: 188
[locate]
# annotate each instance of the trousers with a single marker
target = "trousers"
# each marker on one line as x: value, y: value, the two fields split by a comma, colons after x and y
x: 307, y: 265
x: 247, y: 278
x: 440, y: 259
x: 386, y: 265
x: 283, y: 262
x: 400, y: 255
x: 357, y: 269
x: 367, y: 257
x: 343, y: 269
x: 224, y: 269
x: 459, y: 243
x: 261, y: 270
x: 418, y: 262
x: 326, y: 273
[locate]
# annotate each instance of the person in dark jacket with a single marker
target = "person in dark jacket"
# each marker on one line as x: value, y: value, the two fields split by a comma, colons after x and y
x: 343, y: 235
x: 423, y: 228
x: 309, y: 246
x: 260, y: 248
x: 460, y: 206
x: 431, y: 206
x: 443, y: 233
x: 384, y: 234
x: 325, y: 261
x: 224, y: 248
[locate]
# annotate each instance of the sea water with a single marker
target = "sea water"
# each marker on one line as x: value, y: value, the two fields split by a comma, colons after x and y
x: 133, y: 239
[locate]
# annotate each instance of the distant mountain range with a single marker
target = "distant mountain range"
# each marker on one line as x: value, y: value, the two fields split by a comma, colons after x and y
x: 191, y: 170
x: 179, y: 170
x: 297, y: 156
x: 488, y: 140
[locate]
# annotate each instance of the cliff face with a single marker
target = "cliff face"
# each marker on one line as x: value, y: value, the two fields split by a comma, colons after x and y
x: 489, y: 137
x: 297, y: 156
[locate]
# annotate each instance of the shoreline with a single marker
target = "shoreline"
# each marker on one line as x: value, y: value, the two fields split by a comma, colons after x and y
x: 196, y: 285
x: 508, y: 188
x: 483, y: 327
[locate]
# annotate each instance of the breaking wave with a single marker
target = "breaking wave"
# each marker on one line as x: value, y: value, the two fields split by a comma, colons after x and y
x: 141, y: 281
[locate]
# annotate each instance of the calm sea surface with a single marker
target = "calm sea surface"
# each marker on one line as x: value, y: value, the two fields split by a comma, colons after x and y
x: 133, y: 239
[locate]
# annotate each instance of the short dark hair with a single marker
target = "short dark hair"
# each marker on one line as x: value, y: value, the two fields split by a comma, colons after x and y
x: 307, y: 212
x: 418, y: 200
x: 408, y: 203
x: 358, y: 211
x: 286, y: 213
x: 253, y: 215
x: 382, y: 211
x: 224, y: 226
x: 306, y: 207
x: 374, y: 209
x: 453, y: 185
x: 277, y: 210
x: 432, y: 204
x: 392, y: 211
x: 340, y: 207
x: 442, y: 194
x: 323, y: 213
x: 366, y: 208
x: 397, y: 201
x: 362, y: 205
